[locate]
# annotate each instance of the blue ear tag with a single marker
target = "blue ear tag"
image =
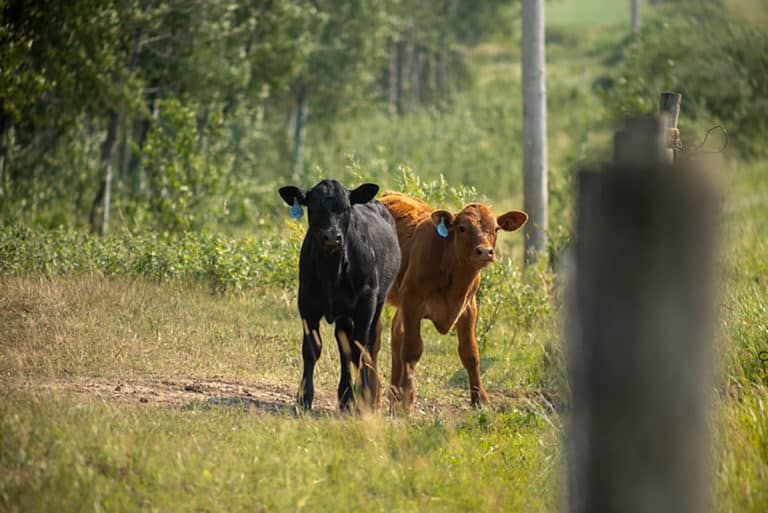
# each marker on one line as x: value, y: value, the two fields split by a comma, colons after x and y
x: 442, y: 231
x: 296, y: 211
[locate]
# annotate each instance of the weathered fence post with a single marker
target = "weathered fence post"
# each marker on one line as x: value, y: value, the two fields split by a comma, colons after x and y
x: 640, y: 331
x: 669, y: 111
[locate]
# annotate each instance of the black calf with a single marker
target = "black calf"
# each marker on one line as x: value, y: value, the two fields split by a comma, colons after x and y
x: 349, y: 259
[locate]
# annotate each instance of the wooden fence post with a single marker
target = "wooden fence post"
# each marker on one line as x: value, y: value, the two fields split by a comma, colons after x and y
x: 640, y: 330
x: 669, y: 111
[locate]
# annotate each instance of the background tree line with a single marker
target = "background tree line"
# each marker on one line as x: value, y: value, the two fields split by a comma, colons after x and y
x: 173, y: 115
x: 158, y: 105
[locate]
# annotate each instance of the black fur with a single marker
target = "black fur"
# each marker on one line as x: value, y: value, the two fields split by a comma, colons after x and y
x: 349, y: 259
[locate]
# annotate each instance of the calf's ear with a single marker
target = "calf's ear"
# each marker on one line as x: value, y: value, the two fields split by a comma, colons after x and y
x: 364, y: 193
x: 442, y: 215
x: 290, y: 192
x: 512, y: 220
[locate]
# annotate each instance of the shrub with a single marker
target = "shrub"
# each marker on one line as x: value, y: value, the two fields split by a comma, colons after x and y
x: 187, y: 181
x: 225, y: 264
x: 719, y: 64
x: 436, y: 192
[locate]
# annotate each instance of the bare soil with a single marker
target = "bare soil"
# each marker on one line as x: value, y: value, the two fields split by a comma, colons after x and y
x: 201, y: 393
x: 257, y: 397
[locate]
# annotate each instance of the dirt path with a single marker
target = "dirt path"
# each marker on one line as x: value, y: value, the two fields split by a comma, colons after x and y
x: 206, y: 393
x: 258, y: 397
x: 178, y: 392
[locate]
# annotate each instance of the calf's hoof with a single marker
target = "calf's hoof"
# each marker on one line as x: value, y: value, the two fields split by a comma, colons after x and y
x: 304, y: 403
x: 346, y: 399
x: 395, y: 398
x: 479, y: 399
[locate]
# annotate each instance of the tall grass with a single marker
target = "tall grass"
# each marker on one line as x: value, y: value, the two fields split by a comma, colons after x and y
x: 95, y: 457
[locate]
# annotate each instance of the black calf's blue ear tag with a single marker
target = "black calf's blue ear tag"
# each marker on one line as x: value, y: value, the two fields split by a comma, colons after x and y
x: 442, y: 231
x: 296, y: 211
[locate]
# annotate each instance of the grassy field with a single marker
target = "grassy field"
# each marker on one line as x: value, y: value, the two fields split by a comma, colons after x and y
x: 129, y: 385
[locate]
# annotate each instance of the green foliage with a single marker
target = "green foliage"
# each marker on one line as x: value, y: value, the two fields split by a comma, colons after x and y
x: 63, y: 60
x: 348, y: 48
x: 224, y: 264
x: 471, y: 145
x: 435, y: 192
x: 716, y: 61
x: 186, y: 169
x: 522, y: 299
x: 224, y: 75
x: 53, y: 191
x: 739, y: 428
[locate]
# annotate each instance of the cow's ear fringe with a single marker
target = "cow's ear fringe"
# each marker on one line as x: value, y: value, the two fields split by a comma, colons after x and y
x: 512, y: 220
x: 442, y: 217
x: 364, y: 193
x: 292, y: 194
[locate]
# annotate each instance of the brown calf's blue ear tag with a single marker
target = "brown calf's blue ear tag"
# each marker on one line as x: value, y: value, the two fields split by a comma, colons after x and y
x: 296, y: 211
x: 442, y: 231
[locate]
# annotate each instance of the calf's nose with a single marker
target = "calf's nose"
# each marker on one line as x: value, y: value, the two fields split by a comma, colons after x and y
x: 484, y: 252
x: 332, y: 239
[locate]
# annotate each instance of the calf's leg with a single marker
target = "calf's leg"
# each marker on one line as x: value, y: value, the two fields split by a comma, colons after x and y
x: 311, y: 349
x: 369, y: 369
x: 362, y: 347
x: 348, y: 353
x: 396, y: 376
x: 410, y: 353
x: 469, y: 354
x: 375, y: 358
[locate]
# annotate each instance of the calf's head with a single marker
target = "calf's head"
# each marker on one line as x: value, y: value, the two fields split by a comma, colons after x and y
x: 328, y: 204
x: 473, y: 231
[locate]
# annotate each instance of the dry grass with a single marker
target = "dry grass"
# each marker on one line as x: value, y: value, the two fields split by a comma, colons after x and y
x: 91, y: 326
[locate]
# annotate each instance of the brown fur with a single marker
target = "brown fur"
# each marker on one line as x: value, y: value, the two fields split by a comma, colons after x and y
x: 438, y: 280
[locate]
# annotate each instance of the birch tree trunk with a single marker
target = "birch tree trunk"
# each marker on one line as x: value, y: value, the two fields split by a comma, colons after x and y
x: 4, y: 127
x: 102, y: 200
x: 394, y: 70
x: 634, y: 8
x: 299, y: 133
x: 534, y: 129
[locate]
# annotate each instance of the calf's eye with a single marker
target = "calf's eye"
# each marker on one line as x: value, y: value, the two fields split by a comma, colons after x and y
x: 462, y: 229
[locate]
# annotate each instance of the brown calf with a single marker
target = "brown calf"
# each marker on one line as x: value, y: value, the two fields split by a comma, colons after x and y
x: 438, y: 279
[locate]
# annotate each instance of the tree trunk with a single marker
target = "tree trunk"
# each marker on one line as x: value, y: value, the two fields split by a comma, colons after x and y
x: 442, y: 66
x: 5, y: 126
x: 416, y: 74
x: 101, y: 202
x: 393, y: 77
x: 126, y: 155
x: 400, y: 86
x: 299, y: 132
x: 135, y: 169
x: 406, y: 67
x: 534, y: 129
x: 442, y: 50
x: 634, y: 8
